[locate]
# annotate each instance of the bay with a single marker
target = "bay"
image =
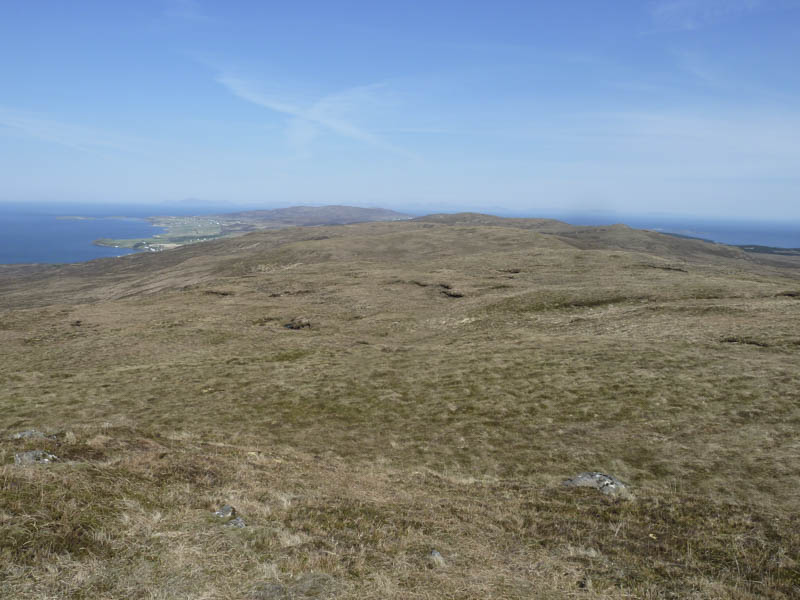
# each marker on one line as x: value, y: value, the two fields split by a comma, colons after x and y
x: 33, y: 234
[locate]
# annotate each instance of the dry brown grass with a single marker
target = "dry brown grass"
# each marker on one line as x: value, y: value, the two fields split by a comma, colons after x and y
x: 405, y: 419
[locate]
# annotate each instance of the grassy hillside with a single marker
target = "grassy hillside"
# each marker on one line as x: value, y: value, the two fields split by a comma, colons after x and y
x: 457, y: 368
x: 317, y: 215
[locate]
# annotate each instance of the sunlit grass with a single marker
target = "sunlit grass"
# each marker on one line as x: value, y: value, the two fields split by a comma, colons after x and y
x: 404, y: 421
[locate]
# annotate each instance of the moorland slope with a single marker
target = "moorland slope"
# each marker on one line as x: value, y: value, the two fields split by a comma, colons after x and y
x: 439, y: 380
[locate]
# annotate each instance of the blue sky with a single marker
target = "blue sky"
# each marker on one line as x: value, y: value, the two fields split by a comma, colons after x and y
x: 674, y: 107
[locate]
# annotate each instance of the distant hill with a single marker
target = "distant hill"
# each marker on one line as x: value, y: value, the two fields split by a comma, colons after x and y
x: 318, y: 215
x: 247, y: 242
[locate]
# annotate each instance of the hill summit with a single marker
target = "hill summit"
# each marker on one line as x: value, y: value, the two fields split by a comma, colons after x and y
x: 318, y: 215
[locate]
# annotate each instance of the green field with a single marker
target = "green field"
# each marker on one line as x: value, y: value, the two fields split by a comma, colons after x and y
x: 180, y: 231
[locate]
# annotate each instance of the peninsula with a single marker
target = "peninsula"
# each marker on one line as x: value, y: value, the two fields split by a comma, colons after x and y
x: 180, y: 231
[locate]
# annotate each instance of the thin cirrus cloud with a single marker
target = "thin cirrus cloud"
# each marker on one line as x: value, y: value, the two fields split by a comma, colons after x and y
x: 69, y: 135
x: 305, y: 123
x: 695, y: 14
x: 187, y: 10
x: 728, y: 147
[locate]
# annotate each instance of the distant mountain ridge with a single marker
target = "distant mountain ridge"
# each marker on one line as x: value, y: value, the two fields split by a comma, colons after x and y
x: 319, y: 215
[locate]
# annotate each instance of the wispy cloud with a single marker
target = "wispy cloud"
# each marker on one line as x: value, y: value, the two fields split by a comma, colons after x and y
x: 740, y: 143
x: 720, y: 77
x: 187, y: 10
x: 706, y: 72
x: 695, y: 14
x: 327, y: 113
x: 70, y: 135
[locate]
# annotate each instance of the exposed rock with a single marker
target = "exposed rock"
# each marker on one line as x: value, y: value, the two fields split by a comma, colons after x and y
x: 32, y: 434
x: 436, y: 560
x: 605, y: 483
x: 226, y: 512
x: 308, y: 586
x: 298, y: 323
x: 32, y: 457
x: 236, y: 522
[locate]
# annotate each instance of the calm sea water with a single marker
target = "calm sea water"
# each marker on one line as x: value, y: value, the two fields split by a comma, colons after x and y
x: 778, y: 234
x: 34, y: 233
x: 736, y: 233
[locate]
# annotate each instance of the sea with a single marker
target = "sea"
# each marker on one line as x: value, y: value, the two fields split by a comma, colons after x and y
x: 776, y: 234
x: 46, y: 233
x: 40, y: 233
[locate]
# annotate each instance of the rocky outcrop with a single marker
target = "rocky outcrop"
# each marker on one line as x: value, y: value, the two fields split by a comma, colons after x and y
x: 607, y: 484
x: 298, y: 323
x: 228, y: 514
x: 32, y: 457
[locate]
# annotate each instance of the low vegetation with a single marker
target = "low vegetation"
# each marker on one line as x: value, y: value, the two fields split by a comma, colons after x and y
x: 400, y: 420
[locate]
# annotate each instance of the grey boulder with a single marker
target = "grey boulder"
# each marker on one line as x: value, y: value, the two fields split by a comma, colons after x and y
x: 32, y: 457
x: 607, y: 484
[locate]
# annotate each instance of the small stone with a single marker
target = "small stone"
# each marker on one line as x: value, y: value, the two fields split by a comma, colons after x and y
x: 226, y: 512
x: 236, y: 522
x: 32, y: 457
x: 436, y: 560
x: 605, y: 483
x: 298, y: 323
